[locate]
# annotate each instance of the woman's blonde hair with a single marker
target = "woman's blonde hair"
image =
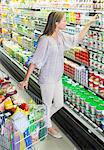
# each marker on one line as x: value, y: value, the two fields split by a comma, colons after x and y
x: 53, y: 17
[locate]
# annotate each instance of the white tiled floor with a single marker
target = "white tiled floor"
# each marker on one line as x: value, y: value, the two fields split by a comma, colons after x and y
x: 51, y: 143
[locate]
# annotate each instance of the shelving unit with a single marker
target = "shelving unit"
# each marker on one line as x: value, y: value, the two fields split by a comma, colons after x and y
x: 75, y: 61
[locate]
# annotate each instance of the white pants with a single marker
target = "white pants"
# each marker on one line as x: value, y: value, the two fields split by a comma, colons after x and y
x: 52, y: 92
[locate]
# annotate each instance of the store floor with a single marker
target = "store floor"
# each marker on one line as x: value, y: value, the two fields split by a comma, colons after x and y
x: 49, y: 143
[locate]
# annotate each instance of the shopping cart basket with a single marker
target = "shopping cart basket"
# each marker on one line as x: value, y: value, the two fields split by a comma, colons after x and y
x: 21, y: 131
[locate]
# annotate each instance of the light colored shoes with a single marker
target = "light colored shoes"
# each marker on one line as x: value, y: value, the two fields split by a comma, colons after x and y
x: 55, y: 134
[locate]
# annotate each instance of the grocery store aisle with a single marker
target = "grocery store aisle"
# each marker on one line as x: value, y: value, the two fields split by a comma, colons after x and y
x: 49, y: 143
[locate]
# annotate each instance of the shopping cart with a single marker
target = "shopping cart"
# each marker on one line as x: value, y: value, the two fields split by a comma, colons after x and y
x: 21, y: 131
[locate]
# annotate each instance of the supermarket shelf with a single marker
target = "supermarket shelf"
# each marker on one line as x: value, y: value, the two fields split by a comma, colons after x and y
x: 75, y: 80
x: 75, y: 61
x: 91, y: 48
x: 92, y: 127
x: 96, y: 93
x: 31, y: 37
x: 85, y: 86
x: 94, y: 28
x: 97, y: 50
x: 10, y: 29
x: 63, y: 3
x: 68, y: 24
x: 97, y: 29
x: 96, y: 69
x: 27, y: 26
x: 96, y: 41
x: 70, y: 9
x: 25, y: 47
x: 60, y: 8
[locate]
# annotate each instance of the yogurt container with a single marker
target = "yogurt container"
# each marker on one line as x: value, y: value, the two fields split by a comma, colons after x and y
x: 69, y: 98
x: 74, y: 94
x: 93, y: 107
x: 78, y: 98
x: 69, y: 88
x: 87, y: 104
x: 82, y: 101
x: 82, y: 109
x: 99, y: 110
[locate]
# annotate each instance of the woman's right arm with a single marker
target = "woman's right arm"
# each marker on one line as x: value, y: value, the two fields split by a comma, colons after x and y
x: 39, y: 58
x: 24, y: 84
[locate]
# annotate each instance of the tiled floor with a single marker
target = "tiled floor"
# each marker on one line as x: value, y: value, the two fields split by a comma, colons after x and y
x: 50, y: 143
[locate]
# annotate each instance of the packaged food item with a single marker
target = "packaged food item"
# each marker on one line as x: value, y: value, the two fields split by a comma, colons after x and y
x: 99, y: 65
x: 87, y: 103
x: 101, y: 90
x: 99, y: 110
x: 101, y: 80
x: 8, y: 104
x: 96, y: 78
x: 82, y: 109
x: 99, y: 58
x: 93, y: 107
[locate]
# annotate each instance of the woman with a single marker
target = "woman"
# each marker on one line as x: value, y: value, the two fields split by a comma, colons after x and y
x: 49, y: 58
